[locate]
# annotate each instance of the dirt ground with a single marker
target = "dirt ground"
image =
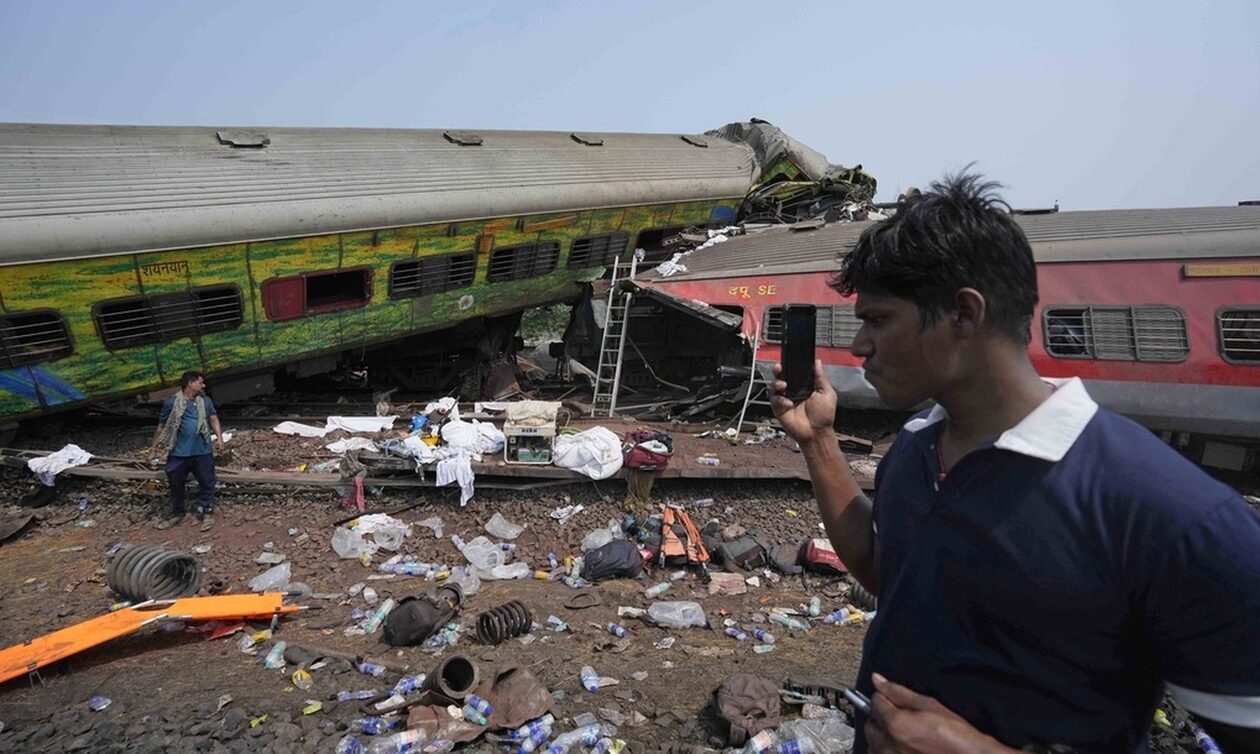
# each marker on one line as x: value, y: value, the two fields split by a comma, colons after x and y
x: 166, y: 687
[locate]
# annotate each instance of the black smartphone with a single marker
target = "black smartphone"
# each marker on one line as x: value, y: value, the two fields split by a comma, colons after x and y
x: 798, y: 350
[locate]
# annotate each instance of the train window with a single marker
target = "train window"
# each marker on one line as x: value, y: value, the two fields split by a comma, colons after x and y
x: 429, y: 275
x: 526, y: 261
x: 316, y: 293
x: 772, y: 325
x: 658, y: 244
x: 844, y: 326
x: 1239, y: 331
x: 33, y: 338
x: 164, y: 317
x: 597, y: 251
x: 1116, y: 333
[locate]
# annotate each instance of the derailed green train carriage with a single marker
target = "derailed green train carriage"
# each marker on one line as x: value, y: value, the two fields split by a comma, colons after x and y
x: 129, y: 254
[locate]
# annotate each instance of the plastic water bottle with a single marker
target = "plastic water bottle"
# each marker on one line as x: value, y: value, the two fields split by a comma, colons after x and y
x: 551, y: 558
x: 473, y: 716
x: 507, y: 546
x: 350, y: 745
x: 408, y: 684
x: 587, y: 735
x: 98, y: 703
x: 573, y: 583
x: 403, y: 741
x: 438, y: 746
x: 658, y: 590
x: 760, y: 743
x: 794, y: 746
x: 736, y: 634
x: 532, y: 727
x: 536, y: 738
x: 815, y: 606
x: 791, y: 623
x: 479, y: 704
x: 378, y: 616
x: 617, y: 631
x: 765, y: 637
x: 590, y: 679
x: 370, y: 668
x: 839, y: 616
x: 602, y: 746
x: 373, y: 725
x: 345, y: 696
x: 1206, y: 742
x: 275, y: 658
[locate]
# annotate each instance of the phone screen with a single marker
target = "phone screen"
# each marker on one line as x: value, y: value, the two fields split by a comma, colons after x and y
x: 798, y: 349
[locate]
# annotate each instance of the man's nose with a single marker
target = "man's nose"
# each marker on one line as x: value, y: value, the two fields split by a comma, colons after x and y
x: 862, y: 346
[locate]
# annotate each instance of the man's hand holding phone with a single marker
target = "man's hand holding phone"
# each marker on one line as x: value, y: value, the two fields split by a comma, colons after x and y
x: 806, y: 418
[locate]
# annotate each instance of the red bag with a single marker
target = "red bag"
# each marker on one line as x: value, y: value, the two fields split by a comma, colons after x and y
x: 637, y: 455
x: 821, y: 556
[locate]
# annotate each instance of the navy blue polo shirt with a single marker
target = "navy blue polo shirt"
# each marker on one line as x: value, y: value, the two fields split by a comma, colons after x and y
x: 1059, y: 577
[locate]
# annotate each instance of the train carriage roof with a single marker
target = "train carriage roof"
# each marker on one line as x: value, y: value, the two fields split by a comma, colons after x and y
x: 69, y: 191
x: 1096, y: 235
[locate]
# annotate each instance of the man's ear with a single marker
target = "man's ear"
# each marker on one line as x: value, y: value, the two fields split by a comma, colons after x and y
x: 969, y: 313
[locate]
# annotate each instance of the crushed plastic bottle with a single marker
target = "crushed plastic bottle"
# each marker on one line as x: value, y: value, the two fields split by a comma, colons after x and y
x: 763, y: 649
x: 373, y: 725
x: 587, y: 735
x: 370, y: 668
x: 708, y: 460
x: 765, y: 637
x: 839, y: 616
x: 398, y: 743
x: 684, y: 614
x: 473, y: 716
x: 275, y: 658
x: 378, y: 616
x: 617, y: 631
x: 409, y: 684
x: 350, y: 745
x: 98, y: 703
x: 1206, y: 742
x: 788, y: 621
x: 345, y: 696
x: 658, y: 590
x: 590, y: 679
x: 736, y: 634
x: 479, y: 704
x: 815, y: 606
x: 369, y: 596
x: 302, y: 679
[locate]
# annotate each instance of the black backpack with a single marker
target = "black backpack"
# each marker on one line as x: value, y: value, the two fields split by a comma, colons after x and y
x: 417, y: 618
x: 619, y: 559
x: 744, y: 553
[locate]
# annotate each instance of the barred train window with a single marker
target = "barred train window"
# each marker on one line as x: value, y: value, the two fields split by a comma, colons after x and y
x: 834, y: 326
x: 1116, y: 333
x: 142, y: 320
x: 33, y: 338
x: 597, y: 251
x: 1239, y: 331
x: 525, y: 261
x: 429, y: 275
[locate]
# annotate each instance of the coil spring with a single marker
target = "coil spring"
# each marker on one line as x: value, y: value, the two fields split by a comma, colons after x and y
x: 147, y: 572
x: 498, y: 624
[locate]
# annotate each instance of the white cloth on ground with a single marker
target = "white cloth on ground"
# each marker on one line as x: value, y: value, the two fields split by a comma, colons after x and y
x: 297, y: 428
x: 360, y: 423
x: 457, y: 468
x: 595, y: 452
x: 474, y: 437
x: 49, y: 466
x: 351, y: 443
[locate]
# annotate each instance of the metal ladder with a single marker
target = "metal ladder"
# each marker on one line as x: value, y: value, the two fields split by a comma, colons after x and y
x: 612, y: 346
x: 758, y: 388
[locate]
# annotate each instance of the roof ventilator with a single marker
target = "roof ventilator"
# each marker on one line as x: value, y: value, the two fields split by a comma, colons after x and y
x: 463, y: 138
x: 243, y: 137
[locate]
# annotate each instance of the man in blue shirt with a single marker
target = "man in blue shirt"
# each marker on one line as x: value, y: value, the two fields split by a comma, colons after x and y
x: 1045, y: 569
x: 186, y: 425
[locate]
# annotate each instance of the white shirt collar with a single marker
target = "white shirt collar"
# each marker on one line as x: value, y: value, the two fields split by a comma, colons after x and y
x: 1046, y: 433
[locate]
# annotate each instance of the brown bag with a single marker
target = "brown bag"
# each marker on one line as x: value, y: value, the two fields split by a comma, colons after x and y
x: 749, y: 704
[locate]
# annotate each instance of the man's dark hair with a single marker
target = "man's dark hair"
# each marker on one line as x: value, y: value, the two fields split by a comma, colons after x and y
x: 189, y: 378
x: 957, y: 234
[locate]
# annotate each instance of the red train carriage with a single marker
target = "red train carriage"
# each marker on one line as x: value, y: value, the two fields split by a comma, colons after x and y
x: 1157, y: 310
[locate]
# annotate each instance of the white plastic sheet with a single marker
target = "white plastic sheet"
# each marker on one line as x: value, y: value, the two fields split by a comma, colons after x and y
x: 477, y: 438
x: 297, y: 428
x: 49, y: 466
x: 360, y: 423
x: 595, y: 452
x: 351, y: 443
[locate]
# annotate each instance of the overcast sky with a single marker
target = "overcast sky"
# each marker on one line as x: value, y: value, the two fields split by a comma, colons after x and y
x: 1094, y: 104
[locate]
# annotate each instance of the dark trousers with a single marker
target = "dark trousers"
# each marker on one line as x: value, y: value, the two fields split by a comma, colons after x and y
x: 202, y: 468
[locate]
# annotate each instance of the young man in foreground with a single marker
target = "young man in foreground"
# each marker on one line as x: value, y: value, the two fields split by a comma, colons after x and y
x: 187, y: 424
x: 1044, y: 568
